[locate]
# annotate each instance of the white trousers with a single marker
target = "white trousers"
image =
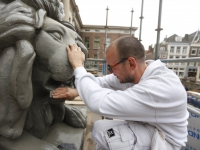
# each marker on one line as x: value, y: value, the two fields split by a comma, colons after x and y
x: 122, y: 135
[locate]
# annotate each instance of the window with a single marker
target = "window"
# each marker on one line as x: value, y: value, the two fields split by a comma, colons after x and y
x: 184, y: 50
x: 181, y: 69
x: 172, y: 49
x: 191, y: 64
x: 178, y: 49
x: 180, y: 74
x: 97, y: 30
x: 171, y: 57
x: 183, y: 63
x: 95, y: 56
x: 87, y: 42
x: 164, y: 55
x: 176, y: 63
x: 96, y: 42
x: 107, y: 42
x: 199, y: 52
x: 162, y: 48
x: 193, y: 51
x: 178, y: 38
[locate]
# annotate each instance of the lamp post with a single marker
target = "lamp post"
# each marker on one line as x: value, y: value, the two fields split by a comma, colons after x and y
x: 104, y: 64
x: 141, y: 17
x: 158, y: 30
x: 131, y: 21
x: 98, y: 58
x: 106, y: 29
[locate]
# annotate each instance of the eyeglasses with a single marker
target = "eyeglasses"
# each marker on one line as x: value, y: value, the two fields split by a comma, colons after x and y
x: 110, y: 67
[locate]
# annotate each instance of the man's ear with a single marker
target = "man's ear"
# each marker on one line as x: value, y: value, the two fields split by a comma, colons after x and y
x: 132, y: 63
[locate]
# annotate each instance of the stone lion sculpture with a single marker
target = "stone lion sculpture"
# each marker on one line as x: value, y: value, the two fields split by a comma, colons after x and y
x: 33, y: 61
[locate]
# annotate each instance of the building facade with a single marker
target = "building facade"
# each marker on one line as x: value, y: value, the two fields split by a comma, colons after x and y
x: 194, y: 69
x: 95, y: 37
x: 183, y: 47
x: 72, y: 14
x: 177, y: 47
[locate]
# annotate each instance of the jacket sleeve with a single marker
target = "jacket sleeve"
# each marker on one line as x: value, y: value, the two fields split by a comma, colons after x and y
x: 110, y: 81
x: 119, y: 104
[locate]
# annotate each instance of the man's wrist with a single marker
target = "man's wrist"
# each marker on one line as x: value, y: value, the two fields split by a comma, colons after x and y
x: 76, y: 66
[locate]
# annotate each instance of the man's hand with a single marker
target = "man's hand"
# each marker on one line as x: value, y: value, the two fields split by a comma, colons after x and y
x: 65, y: 92
x: 75, y: 55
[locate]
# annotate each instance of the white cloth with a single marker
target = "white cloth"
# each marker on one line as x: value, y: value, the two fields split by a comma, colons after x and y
x: 159, y: 99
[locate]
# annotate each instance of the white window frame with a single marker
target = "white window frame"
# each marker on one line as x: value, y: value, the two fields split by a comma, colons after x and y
x: 194, y: 49
x: 107, y: 41
x: 184, y: 51
x: 96, y: 42
x: 177, y: 57
x: 178, y: 49
x: 172, y: 49
x: 87, y: 43
x: 162, y: 48
x: 164, y: 55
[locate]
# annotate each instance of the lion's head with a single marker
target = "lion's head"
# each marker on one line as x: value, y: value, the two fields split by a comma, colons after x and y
x: 25, y: 82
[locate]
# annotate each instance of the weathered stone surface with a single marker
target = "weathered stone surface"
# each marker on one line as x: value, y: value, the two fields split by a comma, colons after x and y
x: 33, y: 61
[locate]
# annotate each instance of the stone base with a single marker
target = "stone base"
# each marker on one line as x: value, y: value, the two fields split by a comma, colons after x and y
x: 62, y: 133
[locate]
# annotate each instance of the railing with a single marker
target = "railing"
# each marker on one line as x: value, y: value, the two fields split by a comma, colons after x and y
x: 193, y: 59
x: 98, y: 65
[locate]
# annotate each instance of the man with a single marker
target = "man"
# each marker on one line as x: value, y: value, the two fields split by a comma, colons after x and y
x: 147, y: 95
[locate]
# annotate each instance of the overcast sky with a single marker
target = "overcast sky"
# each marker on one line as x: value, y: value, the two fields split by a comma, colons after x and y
x: 178, y: 16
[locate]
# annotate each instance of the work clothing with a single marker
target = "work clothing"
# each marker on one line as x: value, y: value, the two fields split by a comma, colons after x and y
x: 128, y: 136
x: 159, y: 99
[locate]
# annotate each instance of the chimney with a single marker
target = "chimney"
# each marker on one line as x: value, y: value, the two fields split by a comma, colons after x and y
x: 186, y: 38
x: 165, y: 39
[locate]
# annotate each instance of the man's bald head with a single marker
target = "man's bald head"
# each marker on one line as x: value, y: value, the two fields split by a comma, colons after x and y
x: 128, y: 46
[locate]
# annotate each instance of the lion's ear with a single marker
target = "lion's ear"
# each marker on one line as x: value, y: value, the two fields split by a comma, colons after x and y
x: 39, y: 18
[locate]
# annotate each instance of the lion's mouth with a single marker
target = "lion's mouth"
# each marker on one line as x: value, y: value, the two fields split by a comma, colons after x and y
x: 52, y: 84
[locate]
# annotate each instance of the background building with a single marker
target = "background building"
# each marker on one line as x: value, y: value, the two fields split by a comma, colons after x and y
x: 177, y: 47
x: 93, y: 36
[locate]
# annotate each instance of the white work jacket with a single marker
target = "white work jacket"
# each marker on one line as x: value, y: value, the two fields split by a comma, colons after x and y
x: 159, y: 99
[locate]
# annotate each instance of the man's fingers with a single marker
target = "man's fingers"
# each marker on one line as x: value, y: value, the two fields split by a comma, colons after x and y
x: 60, y: 91
x: 78, y: 48
x: 60, y: 96
x: 73, y: 47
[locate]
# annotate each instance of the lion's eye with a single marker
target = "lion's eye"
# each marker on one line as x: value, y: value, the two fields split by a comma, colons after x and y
x: 57, y: 36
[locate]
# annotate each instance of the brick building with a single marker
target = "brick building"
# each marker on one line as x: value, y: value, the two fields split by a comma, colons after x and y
x: 93, y: 35
x: 94, y: 38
